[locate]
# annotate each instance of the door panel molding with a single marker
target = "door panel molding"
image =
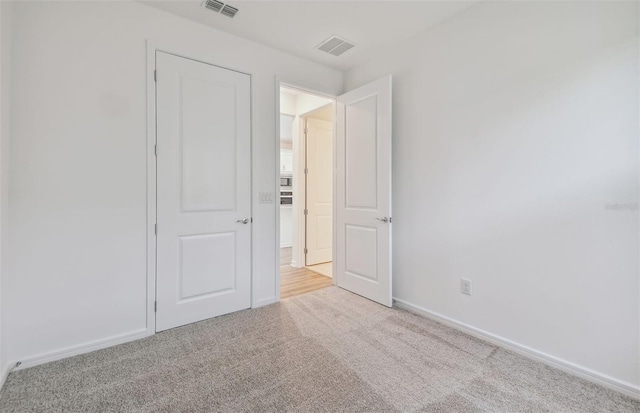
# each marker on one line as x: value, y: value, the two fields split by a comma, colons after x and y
x: 363, y: 193
x: 198, y: 54
x: 204, y: 164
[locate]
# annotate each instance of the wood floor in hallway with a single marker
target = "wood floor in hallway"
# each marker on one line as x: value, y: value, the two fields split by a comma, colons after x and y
x: 295, y: 281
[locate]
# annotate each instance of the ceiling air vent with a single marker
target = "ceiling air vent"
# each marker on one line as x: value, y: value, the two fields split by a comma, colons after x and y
x: 220, y: 7
x: 229, y: 11
x: 213, y: 5
x: 335, y: 46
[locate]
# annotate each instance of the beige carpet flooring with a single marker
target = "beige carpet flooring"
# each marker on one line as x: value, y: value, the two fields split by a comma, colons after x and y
x: 326, y: 351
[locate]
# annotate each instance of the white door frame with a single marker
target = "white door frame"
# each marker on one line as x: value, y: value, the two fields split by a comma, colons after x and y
x: 292, y: 85
x: 199, y: 56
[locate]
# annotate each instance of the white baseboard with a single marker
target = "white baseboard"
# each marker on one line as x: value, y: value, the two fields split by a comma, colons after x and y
x: 81, y: 349
x: 625, y: 388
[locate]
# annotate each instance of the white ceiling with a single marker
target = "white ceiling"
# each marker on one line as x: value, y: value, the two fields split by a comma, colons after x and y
x: 297, y: 27
x: 288, y: 91
x: 323, y: 113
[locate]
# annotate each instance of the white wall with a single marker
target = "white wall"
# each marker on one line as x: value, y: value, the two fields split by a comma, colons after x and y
x: 3, y: 119
x: 288, y: 104
x: 77, y: 267
x: 5, y: 95
x: 4, y: 59
x: 515, y: 125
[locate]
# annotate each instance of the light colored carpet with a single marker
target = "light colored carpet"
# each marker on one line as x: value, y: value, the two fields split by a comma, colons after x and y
x: 326, y: 351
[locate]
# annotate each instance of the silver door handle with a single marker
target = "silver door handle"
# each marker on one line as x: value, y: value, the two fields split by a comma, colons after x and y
x: 383, y: 219
x: 243, y: 221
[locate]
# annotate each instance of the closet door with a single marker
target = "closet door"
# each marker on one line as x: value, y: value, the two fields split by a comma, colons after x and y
x: 203, y: 191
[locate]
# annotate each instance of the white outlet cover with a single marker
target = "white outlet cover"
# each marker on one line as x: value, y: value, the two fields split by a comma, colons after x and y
x: 465, y: 286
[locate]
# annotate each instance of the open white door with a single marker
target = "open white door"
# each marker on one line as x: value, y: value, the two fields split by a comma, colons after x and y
x: 363, y: 196
x: 203, y: 191
x: 319, y: 191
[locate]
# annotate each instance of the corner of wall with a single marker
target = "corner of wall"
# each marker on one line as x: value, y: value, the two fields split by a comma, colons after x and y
x: 5, y: 76
x: 2, y: 120
x: 628, y: 389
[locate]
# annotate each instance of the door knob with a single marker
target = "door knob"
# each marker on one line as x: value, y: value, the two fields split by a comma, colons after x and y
x: 383, y: 219
x: 243, y: 221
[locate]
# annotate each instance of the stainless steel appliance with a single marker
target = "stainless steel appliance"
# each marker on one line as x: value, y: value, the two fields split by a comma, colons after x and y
x: 286, y: 198
x: 286, y: 181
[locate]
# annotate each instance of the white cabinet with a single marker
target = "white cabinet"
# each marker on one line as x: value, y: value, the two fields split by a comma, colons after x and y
x: 286, y: 226
x: 286, y: 168
x: 286, y: 141
x: 286, y: 128
x: 286, y: 161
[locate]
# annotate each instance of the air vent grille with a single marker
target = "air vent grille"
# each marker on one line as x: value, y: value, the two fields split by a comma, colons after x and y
x: 330, y: 44
x: 335, y: 46
x: 229, y: 11
x: 341, y: 49
x: 213, y: 5
x: 220, y: 7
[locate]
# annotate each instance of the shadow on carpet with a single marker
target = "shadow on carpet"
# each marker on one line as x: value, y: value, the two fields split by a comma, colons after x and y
x: 326, y: 351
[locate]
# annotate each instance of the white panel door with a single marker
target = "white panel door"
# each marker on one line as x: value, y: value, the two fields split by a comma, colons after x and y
x: 203, y: 191
x: 319, y: 191
x: 363, y: 196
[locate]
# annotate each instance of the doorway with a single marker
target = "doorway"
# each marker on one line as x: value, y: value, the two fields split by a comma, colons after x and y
x: 360, y: 220
x: 306, y: 191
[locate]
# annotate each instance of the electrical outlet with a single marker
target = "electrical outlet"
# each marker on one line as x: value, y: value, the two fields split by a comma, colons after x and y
x: 465, y: 286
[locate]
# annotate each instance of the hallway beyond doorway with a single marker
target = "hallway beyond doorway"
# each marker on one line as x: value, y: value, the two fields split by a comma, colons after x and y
x: 295, y: 281
x: 326, y: 268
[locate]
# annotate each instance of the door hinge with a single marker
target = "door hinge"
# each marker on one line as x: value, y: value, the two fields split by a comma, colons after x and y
x: 155, y: 150
x: 306, y: 211
x: 155, y: 228
x: 306, y: 251
x: 306, y: 130
x: 390, y: 220
x: 306, y: 171
x: 155, y: 75
x: 155, y: 306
